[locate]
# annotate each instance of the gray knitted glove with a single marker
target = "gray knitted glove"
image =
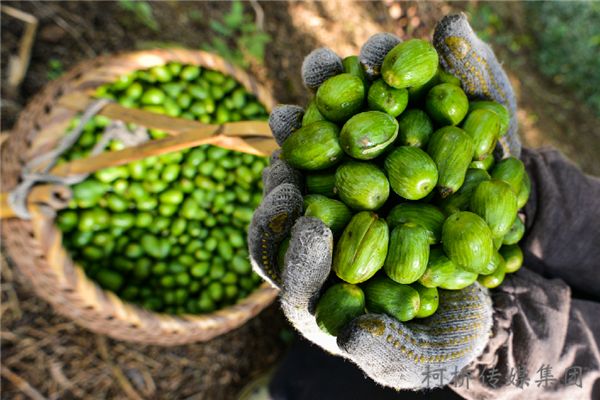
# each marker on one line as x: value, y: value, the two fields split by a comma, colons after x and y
x: 392, y: 353
x: 471, y: 60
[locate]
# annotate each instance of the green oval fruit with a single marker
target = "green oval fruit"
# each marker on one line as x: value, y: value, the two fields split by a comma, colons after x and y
x: 446, y: 77
x: 452, y: 150
x: 483, y: 127
x: 498, y: 242
x: 516, y: 232
x: 429, y: 300
x: 333, y: 213
x: 460, y: 200
x: 524, y: 191
x: 414, y: 128
x: 446, y: 104
x: 496, y: 203
x: 67, y: 220
x: 110, y: 280
x: 408, y: 253
x: 321, y: 183
x: 313, y: 147
x: 281, y: 252
x: 383, y: 295
x: 89, y: 190
x: 411, y: 63
x: 467, y: 241
x: 513, y: 256
x: 353, y: 66
x: 122, y: 220
x: 382, y: 97
x: 190, y: 72
x: 495, y: 278
x: 362, y: 186
x: 362, y: 248
x: 340, y: 97
x: 153, y: 96
x: 368, y: 134
x: 411, y: 172
x: 416, y: 94
x: 339, y: 305
x: 312, y: 114
x: 498, y: 108
x: 511, y: 170
x: 425, y: 215
x: 444, y: 273
x: 484, y: 164
x: 496, y: 260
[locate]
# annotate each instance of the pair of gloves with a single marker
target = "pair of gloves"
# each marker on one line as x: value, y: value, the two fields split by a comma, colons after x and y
x: 392, y: 353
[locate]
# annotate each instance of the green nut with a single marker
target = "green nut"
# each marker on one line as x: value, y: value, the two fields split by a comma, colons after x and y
x: 414, y: 128
x: 313, y: 147
x: 382, y: 97
x: 494, y: 278
x: 312, y: 114
x: 362, y: 248
x: 492, y: 266
x: 383, y: 295
x: 452, y: 150
x: 353, y: 66
x: 524, y: 191
x: 333, y: 213
x: 366, y: 135
x: 444, y: 273
x: 513, y: 256
x: 498, y: 108
x: 511, y: 170
x: 340, y: 97
x: 411, y: 63
x: 484, y: 164
x: 281, y: 252
x: 496, y: 203
x: 362, y: 186
x: 468, y: 241
x: 460, y: 200
x: 446, y: 77
x: 425, y: 215
x: 408, y: 253
x: 429, y: 300
x: 411, y: 172
x: 483, y: 127
x: 321, y: 183
x: 447, y: 104
x: 339, y: 305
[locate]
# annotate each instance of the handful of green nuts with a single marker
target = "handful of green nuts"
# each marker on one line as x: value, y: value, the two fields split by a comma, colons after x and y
x: 169, y: 232
x: 401, y: 170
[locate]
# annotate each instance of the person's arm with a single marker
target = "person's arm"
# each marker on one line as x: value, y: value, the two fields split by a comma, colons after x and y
x: 563, y: 222
x: 537, y: 322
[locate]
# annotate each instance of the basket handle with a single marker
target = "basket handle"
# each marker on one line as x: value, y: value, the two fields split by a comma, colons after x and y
x: 54, y: 195
x: 249, y: 136
x: 222, y: 135
x: 79, y: 101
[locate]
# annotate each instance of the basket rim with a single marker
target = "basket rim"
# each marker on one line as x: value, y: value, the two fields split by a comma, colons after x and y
x: 47, y: 235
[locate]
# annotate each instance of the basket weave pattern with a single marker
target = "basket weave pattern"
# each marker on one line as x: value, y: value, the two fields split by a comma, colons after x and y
x: 36, y: 245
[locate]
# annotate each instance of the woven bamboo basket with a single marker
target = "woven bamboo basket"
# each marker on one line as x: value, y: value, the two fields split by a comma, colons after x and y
x: 36, y: 245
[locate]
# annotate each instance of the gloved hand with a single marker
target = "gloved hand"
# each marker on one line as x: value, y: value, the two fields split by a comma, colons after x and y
x: 392, y: 353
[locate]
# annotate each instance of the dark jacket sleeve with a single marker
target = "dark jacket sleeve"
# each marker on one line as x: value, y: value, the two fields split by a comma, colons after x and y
x: 547, y: 315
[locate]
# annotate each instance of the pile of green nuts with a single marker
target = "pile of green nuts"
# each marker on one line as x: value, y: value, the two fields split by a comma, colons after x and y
x: 169, y: 232
x: 401, y: 169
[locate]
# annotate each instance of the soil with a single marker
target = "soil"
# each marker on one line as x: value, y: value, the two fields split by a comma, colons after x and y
x: 60, y: 360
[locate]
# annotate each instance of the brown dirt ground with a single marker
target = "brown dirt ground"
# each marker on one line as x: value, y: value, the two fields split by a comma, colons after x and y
x: 59, y: 359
